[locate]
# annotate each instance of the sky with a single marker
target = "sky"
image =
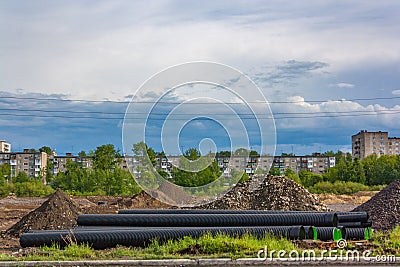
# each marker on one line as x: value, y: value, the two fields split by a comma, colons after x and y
x: 327, y: 69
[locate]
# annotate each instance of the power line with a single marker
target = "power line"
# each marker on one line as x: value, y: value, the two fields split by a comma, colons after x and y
x: 177, y: 119
x: 192, y: 114
x: 213, y: 103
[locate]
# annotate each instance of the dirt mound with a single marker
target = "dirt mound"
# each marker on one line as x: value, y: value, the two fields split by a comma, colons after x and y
x: 266, y: 192
x: 384, y: 207
x: 57, y: 212
x: 146, y: 201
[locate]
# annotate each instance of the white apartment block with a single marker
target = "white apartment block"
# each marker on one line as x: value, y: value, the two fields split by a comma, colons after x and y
x: 5, y: 147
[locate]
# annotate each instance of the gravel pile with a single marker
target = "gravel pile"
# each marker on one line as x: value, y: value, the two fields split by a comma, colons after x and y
x: 266, y: 192
x: 384, y: 207
x: 57, y: 212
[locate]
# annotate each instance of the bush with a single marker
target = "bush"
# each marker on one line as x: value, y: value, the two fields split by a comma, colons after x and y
x: 339, y: 188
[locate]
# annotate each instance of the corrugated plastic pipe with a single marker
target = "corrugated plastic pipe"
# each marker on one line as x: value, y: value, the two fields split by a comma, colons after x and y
x: 207, y: 220
x: 355, y: 224
x: 358, y: 233
x: 106, y: 238
x: 342, y: 216
x: 330, y: 233
x: 346, y: 216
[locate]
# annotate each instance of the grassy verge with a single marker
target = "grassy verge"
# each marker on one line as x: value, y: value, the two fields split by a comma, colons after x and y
x: 387, y: 242
x: 207, y: 246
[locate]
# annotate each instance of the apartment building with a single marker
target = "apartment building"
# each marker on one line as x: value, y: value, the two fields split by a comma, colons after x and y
x: 367, y: 143
x: 5, y: 147
x: 316, y: 164
x: 394, y: 145
x: 60, y: 161
x: 33, y: 163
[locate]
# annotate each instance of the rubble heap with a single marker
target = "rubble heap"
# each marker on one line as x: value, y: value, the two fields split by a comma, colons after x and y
x: 266, y: 192
x: 384, y: 207
x: 57, y: 212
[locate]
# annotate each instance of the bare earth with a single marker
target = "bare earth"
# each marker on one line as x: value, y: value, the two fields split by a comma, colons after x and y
x: 12, y: 209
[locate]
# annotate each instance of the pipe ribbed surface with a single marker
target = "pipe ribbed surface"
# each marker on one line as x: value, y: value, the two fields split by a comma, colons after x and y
x: 329, y: 233
x: 355, y: 224
x: 207, y: 220
x: 311, y: 232
x: 342, y: 216
x: 106, y: 238
x: 358, y: 233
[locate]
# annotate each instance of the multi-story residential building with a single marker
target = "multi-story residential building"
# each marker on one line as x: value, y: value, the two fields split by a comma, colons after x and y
x: 5, y: 147
x: 60, y: 162
x: 394, y: 146
x: 317, y: 164
x: 33, y: 163
x: 367, y: 143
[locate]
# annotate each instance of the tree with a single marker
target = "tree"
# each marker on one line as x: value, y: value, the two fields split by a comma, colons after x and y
x: 22, y: 177
x: 289, y: 173
x: 329, y: 153
x: 5, y: 173
x: 309, y: 179
x: 82, y: 153
x: 370, y: 165
x: 145, y: 154
x: 195, y: 178
x: 223, y: 154
x: 192, y: 154
x: 105, y: 157
x: 275, y: 171
x: 254, y: 153
x: 241, y: 152
x: 46, y: 149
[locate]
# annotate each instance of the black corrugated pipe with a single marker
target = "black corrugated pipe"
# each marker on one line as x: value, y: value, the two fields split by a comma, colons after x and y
x: 311, y: 232
x: 342, y: 216
x: 105, y: 238
x: 330, y: 233
x: 355, y: 224
x: 358, y: 233
x: 207, y: 220
x: 353, y: 216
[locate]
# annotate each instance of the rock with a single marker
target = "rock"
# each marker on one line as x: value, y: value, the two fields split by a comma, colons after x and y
x: 266, y: 192
x: 384, y: 207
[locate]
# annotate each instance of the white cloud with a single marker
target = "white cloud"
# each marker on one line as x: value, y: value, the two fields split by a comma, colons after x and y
x: 344, y: 85
x: 396, y: 92
x: 115, y: 47
x: 342, y: 114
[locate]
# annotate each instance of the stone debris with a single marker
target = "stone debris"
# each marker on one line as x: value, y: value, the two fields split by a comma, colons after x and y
x: 266, y: 192
x: 384, y: 207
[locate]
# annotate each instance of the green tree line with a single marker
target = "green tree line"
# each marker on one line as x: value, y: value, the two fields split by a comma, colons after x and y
x: 104, y: 178
x: 349, y: 175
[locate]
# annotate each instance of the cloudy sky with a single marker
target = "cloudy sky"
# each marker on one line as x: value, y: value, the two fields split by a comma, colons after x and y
x: 327, y: 68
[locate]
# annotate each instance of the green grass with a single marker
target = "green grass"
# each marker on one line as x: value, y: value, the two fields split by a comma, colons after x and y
x: 387, y: 242
x: 207, y: 246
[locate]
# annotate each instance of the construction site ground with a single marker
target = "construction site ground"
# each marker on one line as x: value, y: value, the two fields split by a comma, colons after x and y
x: 12, y: 209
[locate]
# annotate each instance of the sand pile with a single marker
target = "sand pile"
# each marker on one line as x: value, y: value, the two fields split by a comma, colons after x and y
x: 266, y: 192
x: 57, y: 212
x: 384, y: 207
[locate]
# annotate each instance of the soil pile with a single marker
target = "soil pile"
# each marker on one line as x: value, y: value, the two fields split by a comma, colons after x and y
x: 57, y: 212
x: 384, y: 207
x: 266, y: 192
x: 145, y: 201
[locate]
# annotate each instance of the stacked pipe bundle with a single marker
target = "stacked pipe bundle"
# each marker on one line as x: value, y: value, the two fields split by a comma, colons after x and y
x: 140, y: 227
